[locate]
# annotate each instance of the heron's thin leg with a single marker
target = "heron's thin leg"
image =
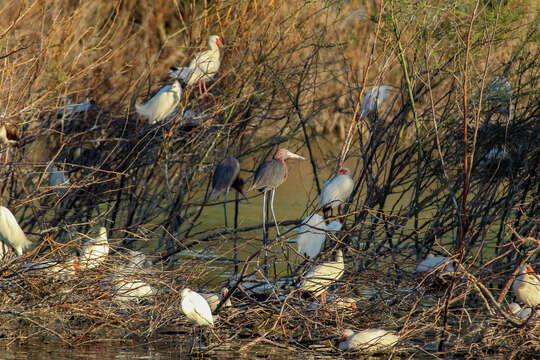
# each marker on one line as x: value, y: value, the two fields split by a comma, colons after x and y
x: 200, y: 89
x: 273, y: 213
x: 264, y: 232
x: 236, y: 200
x: 225, y: 206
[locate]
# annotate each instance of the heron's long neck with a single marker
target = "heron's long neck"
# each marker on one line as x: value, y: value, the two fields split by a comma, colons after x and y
x: 286, y: 170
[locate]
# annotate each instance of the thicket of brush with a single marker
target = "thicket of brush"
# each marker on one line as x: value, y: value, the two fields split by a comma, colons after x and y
x: 427, y: 177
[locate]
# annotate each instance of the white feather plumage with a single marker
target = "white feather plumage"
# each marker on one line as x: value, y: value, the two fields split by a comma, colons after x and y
x: 11, y: 233
x: 336, y: 190
x: 196, y: 308
x: 94, y: 251
x: 162, y: 104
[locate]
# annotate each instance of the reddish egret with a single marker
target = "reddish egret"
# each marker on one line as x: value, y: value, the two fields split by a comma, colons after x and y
x: 526, y: 286
x: 203, y: 67
x: 269, y: 175
x: 336, y: 191
x: 227, y: 176
x: 322, y: 276
x: 370, y: 341
x: 162, y: 104
x: 11, y: 233
x: 9, y: 134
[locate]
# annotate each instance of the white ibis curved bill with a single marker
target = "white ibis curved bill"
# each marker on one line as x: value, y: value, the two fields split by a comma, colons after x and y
x: 336, y: 191
x: 196, y: 308
x: 227, y: 176
x: 9, y: 134
x: 369, y: 341
x: 11, y: 233
x: 526, y: 286
x: 214, y: 299
x: 318, y: 279
x: 161, y: 105
x: 516, y: 310
x: 202, y: 68
x: 94, y: 251
x: 269, y: 175
x: 374, y: 99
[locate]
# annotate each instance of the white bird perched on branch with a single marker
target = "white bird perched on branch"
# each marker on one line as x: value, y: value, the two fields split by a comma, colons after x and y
x: 203, y: 67
x: 312, y: 234
x: 336, y: 191
x: 11, y: 233
x: 322, y: 276
x: 196, y: 308
x: 162, y: 104
x: 369, y: 341
x: 526, y: 286
x: 374, y: 99
x: 94, y: 251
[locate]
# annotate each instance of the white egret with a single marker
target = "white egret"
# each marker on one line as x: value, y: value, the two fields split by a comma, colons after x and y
x: 202, y: 68
x: 369, y: 341
x: 312, y: 234
x: 526, y: 286
x: 322, y: 276
x: 336, y: 191
x: 126, y: 289
x: 162, y: 104
x: 11, y: 233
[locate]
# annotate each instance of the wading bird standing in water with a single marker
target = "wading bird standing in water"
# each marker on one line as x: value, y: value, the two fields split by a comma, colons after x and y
x: 336, y: 191
x: 227, y: 176
x: 269, y: 175
x: 9, y: 134
x: 203, y: 67
x: 196, y: 309
x: 11, y: 233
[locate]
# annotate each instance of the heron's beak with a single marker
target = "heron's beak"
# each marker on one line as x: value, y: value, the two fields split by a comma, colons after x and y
x: 295, y: 156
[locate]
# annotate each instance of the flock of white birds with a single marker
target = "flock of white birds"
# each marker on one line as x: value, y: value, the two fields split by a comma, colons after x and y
x: 312, y: 233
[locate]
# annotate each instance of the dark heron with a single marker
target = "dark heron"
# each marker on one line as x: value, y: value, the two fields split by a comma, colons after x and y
x: 269, y: 175
x: 227, y: 176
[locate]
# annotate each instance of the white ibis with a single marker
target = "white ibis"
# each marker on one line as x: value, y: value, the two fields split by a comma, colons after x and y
x: 202, y: 68
x: 94, y: 251
x: 131, y: 290
x: 526, y: 286
x: 162, y: 104
x: 9, y: 134
x: 312, y: 234
x: 269, y: 175
x: 11, y: 233
x: 196, y: 308
x: 516, y: 310
x: 368, y: 341
x: 227, y: 176
x: 435, y: 263
x: 58, y: 180
x: 70, y: 108
x: 374, y: 99
x: 322, y: 276
x: 336, y: 191
x: 214, y: 299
